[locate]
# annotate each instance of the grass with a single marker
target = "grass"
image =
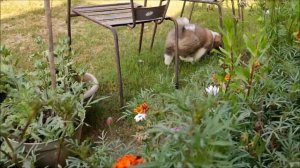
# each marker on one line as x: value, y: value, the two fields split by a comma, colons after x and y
x: 21, y: 21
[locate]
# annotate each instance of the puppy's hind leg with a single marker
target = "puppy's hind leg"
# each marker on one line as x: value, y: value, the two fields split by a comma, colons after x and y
x: 168, y: 59
x: 187, y: 59
x: 199, y: 54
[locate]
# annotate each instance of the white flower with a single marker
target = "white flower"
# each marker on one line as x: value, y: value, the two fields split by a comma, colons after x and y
x: 175, y: 129
x: 267, y: 12
x: 140, y: 117
x: 212, y: 90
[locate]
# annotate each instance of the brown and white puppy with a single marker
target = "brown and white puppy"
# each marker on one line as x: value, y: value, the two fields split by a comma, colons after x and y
x: 194, y: 41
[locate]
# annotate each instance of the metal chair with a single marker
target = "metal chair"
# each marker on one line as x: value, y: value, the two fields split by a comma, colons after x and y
x: 240, y: 3
x: 241, y: 7
x: 125, y: 14
x: 212, y: 2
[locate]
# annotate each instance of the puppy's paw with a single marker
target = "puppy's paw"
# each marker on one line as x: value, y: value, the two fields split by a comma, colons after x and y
x: 168, y: 59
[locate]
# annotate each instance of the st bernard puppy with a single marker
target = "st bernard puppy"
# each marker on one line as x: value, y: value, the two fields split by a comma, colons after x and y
x: 194, y: 41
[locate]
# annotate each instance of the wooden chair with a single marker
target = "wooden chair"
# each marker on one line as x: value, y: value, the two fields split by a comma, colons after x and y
x: 125, y: 14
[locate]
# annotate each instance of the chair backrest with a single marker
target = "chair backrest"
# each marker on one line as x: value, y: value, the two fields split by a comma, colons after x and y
x: 156, y: 13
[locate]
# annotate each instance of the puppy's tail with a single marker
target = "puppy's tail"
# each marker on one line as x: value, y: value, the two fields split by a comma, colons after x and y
x: 183, y: 21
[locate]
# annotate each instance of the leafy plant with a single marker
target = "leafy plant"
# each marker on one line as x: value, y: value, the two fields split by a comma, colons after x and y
x: 252, y: 122
x: 8, y: 78
x: 102, y: 153
x: 34, y: 112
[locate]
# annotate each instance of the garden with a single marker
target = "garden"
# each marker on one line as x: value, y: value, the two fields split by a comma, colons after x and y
x: 238, y: 106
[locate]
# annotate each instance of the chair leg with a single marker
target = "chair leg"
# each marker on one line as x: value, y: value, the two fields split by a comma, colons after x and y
x: 69, y: 24
x: 176, y: 53
x: 176, y: 57
x: 118, y: 65
x: 242, y: 13
x: 141, y: 37
x: 182, y: 10
x: 191, y: 13
x: 239, y: 9
x: 233, y: 9
x: 220, y: 15
x: 153, y: 35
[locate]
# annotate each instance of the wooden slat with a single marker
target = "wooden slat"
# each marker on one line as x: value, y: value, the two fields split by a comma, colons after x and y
x: 88, y: 6
x: 109, y: 12
x: 123, y: 21
x: 119, y: 22
x: 203, y: 1
x: 112, y: 17
x: 103, y: 8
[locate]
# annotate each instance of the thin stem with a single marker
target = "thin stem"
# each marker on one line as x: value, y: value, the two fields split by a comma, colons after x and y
x: 250, y: 80
x: 6, y: 154
x: 24, y: 130
x: 61, y: 142
x: 231, y: 68
x: 14, y: 156
x: 51, y: 54
x: 27, y: 125
x: 59, y: 151
x: 227, y: 84
x: 289, y: 30
x: 231, y: 58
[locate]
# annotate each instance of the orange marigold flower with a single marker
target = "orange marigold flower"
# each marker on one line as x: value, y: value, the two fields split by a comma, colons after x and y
x: 224, y: 66
x: 256, y: 65
x: 128, y: 161
x: 214, y: 78
x: 142, y: 108
x: 138, y: 109
x: 227, y: 77
x: 145, y: 107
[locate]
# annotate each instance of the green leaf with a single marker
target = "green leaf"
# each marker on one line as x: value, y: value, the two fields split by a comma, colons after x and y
x: 243, y: 74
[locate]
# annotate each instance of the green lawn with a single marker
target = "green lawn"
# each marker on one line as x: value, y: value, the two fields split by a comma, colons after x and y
x: 22, y: 21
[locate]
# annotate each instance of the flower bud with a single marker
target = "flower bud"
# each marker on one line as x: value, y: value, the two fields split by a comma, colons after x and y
x: 109, y: 121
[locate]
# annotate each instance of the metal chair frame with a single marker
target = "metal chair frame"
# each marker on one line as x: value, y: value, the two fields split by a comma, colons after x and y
x: 217, y: 3
x: 240, y: 4
x: 140, y: 15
